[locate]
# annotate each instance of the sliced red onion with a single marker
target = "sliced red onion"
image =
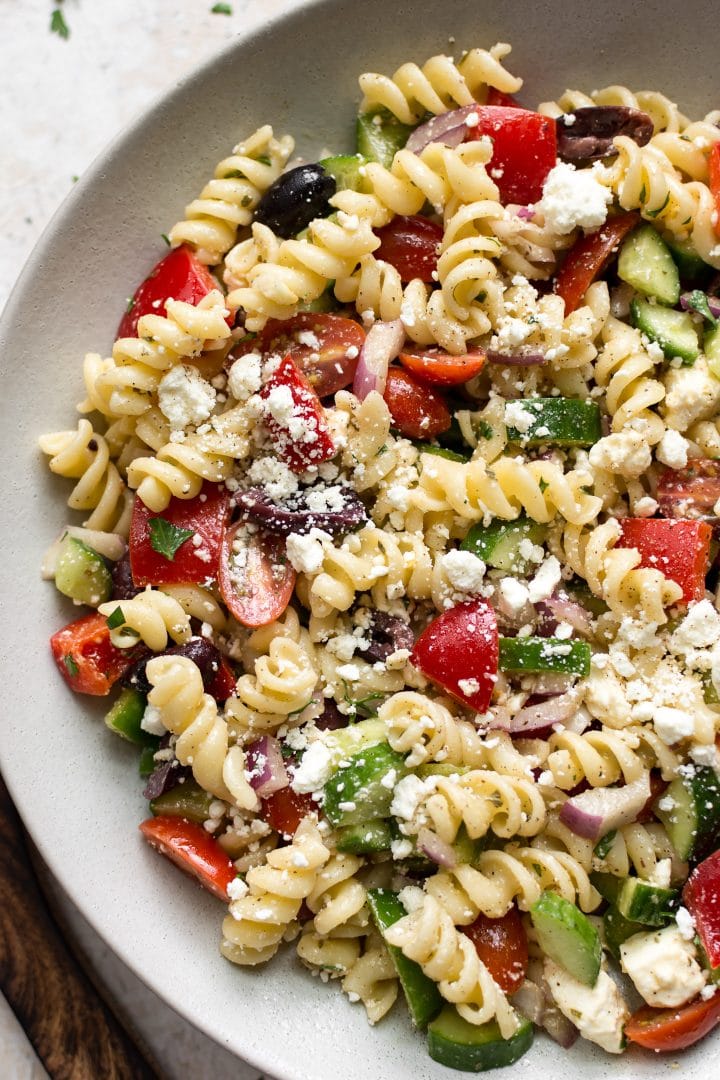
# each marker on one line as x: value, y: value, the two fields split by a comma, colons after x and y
x: 265, y: 767
x: 382, y: 344
x: 686, y: 303
x: 521, y: 359
x: 527, y: 213
x: 559, y: 1027
x: 449, y: 128
x: 436, y: 849
x: 563, y: 609
x: 547, y: 684
x: 529, y: 1001
x: 544, y: 714
x: 598, y: 811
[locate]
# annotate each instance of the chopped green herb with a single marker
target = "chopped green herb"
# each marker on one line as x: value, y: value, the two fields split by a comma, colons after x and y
x: 70, y: 665
x: 166, y: 238
x: 166, y: 538
x: 130, y: 304
x: 58, y: 25
x: 115, y: 619
x: 543, y: 485
x: 263, y: 159
x: 698, y: 301
x: 75, y: 178
x: 360, y: 706
x: 383, y: 450
x: 655, y: 213
x: 221, y: 9
x: 484, y: 429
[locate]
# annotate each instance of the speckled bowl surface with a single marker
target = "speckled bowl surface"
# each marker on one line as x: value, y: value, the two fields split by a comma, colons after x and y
x: 74, y: 783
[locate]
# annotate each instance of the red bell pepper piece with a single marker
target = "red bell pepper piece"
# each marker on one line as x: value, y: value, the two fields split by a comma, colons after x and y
x: 206, y: 515
x: 701, y: 897
x: 179, y: 276
x: 86, y: 657
x: 679, y: 548
x: 297, y: 420
x: 191, y: 848
x: 524, y: 150
x: 589, y: 256
x: 497, y: 97
x: 459, y: 651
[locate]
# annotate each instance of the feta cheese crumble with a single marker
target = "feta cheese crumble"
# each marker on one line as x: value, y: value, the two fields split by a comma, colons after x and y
x: 573, y: 198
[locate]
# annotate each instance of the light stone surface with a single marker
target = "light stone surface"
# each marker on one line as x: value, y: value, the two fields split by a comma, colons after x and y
x: 62, y: 102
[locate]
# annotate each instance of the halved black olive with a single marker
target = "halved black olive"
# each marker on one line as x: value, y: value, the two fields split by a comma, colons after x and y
x: 587, y: 134
x: 296, y: 514
x: 295, y: 199
x: 198, y: 649
x: 388, y: 633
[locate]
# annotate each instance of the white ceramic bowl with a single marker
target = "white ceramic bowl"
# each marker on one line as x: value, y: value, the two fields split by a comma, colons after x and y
x: 74, y: 783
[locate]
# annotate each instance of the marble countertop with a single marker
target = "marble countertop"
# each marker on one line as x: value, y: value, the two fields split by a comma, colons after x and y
x: 63, y: 100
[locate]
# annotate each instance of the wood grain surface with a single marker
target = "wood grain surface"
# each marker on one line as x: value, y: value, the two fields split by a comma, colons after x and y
x: 74, y: 1033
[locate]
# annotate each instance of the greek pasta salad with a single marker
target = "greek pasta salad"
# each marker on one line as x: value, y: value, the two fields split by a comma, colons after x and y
x: 400, y: 489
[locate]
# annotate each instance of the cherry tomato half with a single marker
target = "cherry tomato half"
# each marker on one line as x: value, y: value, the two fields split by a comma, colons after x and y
x: 524, y: 150
x: 191, y: 848
x: 410, y: 244
x: 691, y: 492
x: 677, y: 547
x: 588, y: 258
x: 303, y: 438
x: 285, y: 809
x: 502, y: 946
x: 179, y: 275
x: 256, y: 578
x: 459, y: 651
x: 673, y: 1029
x: 86, y: 657
x: 701, y: 897
x: 443, y: 369
x: 324, y: 347
x: 417, y: 411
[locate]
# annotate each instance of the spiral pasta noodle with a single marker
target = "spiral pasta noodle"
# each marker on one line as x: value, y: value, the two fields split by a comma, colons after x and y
x: 152, y: 617
x: 282, y: 683
x: 372, y: 979
x: 483, y: 800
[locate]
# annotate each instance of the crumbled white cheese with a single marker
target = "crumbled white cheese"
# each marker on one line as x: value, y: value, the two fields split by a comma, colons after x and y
x: 663, y: 966
x: 691, y: 393
x: 305, y: 550
x: 412, y: 898
x: 510, y: 333
x: 545, y: 581
x: 152, y: 721
x: 700, y: 629
x: 409, y: 793
x: 661, y: 874
x: 517, y: 416
x: 245, y: 376
x: 573, y: 197
x: 685, y: 923
x: 401, y: 848
x: 184, y: 397
x: 672, y: 449
x: 672, y: 725
x: 598, y: 1012
x: 279, y: 481
x: 237, y: 889
x: 314, y: 769
x: 463, y: 570
x: 514, y: 593
x: 468, y: 686
x: 624, y: 452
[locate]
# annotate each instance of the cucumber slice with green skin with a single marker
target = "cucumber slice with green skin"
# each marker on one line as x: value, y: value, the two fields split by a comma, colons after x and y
x: 146, y: 763
x: 534, y: 656
x: 559, y: 421
x: 125, y: 716
x: 692, y: 268
x: 690, y: 811
x: 567, y: 937
x: 640, y: 901
x: 322, y: 305
x: 498, y: 544
x: 379, y: 135
x: 711, y: 349
x: 646, y: 263
x: 363, y: 790
x: 422, y: 995
x: 713, y: 972
x: 187, y: 800
x: 710, y: 694
x: 82, y: 573
x: 441, y: 451
x: 346, y: 171
x: 608, y: 885
x: 373, y: 836
x: 346, y: 741
x: 674, y: 331
x: 457, y: 1044
x: 617, y: 929
x: 468, y: 850
x: 604, y: 844
x: 579, y: 590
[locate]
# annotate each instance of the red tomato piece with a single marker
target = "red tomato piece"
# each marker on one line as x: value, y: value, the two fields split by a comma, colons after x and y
x: 443, y: 369
x: 589, y: 256
x: 86, y: 657
x: 255, y: 576
x: 191, y: 848
x: 459, y: 651
x: 673, y: 1029
x: 502, y: 946
x: 180, y: 276
x: 524, y: 150
x: 691, y: 492
x: 714, y: 182
x: 497, y: 97
x: 701, y: 897
x: 410, y: 244
x: 329, y: 364
x: 417, y: 411
x: 679, y: 548
x: 223, y: 685
x: 302, y: 437
x: 285, y: 809
x: 206, y: 515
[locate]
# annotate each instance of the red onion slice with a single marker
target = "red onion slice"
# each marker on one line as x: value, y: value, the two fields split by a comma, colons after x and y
x: 436, y: 849
x: 449, y: 128
x: 529, y: 1001
x: 382, y: 344
x: 544, y: 714
x: 521, y: 359
x: 598, y: 811
x: 265, y: 767
x: 525, y: 213
x: 563, y: 609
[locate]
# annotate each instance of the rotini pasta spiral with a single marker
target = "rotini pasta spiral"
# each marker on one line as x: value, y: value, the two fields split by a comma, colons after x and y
x: 337, y: 897
x: 254, y: 929
x: 625, y: 369
x: 372, y: 979
x: 202, y: 734
x: 639, y: 848
x: 327, y: 953
x: 600, y: 757
x: 83, y: 455
x: 151, y: 616
x: 428, y: 937
x: 228, y: 200
x: 198, y: 603
x: 482, y: 800
x: 283, y: 683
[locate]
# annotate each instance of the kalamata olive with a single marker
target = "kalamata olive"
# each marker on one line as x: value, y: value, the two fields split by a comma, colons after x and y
x: 388, y: 633
x: 124, y: 588
x: 198, y: 649
x: 295, y: 199
x: 587, y: 134
x: 331, y: 718
x: 165, y: 777
x: 334, y: 509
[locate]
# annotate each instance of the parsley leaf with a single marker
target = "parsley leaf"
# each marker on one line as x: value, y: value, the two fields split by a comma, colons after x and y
x: 166, y: 538
x: 698, y: 301
x: 71, y: 665
x: 655, y: 213
x: 58, y: 25
x: 221, y: 9
x: 115, y: 619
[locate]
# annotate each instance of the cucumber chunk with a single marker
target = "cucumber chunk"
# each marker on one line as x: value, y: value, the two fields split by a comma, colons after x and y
x: 345, y: 170
x: 125, y: 716
x: 440, y: 451
x: 422, y: 995
x: 371, y: 837
x: 608, y: 885
x: 186, y: 800
x: 348, y: 740
x: 379, y: 135
x: 690, y: 812
x: 363, y: 790
x: 457, y: 1044
x: 322, y: 304
x: 674, y: 331
x: 567, y: 937
x: 711, y: 349
x: 693, y: 269
x: 560, y: 421
x: 82, y: 573
x: 641, y: 902
x: 646, y: 263
x: 498, y: 544
x: 617, y: 929
x: 146, y: 762
x: 533, y: 656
